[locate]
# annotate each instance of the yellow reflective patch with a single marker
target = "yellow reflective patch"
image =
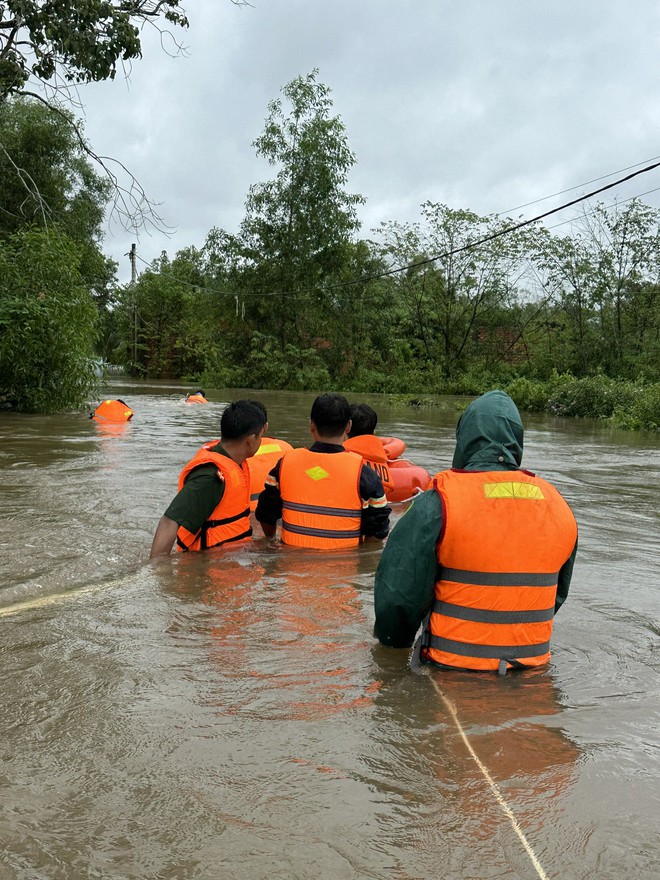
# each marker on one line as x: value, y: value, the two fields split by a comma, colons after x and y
x: 317, y: 473
x: 268, y: 447
x: 513, y: 490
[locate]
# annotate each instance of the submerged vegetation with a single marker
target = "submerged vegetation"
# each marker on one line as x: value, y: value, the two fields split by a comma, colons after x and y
x: 625, y: 404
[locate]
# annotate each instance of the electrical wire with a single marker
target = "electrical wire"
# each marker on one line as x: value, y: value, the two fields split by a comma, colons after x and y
x: 507, y: 230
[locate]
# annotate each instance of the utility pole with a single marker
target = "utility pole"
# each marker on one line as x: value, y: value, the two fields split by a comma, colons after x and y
x: 132, y: 255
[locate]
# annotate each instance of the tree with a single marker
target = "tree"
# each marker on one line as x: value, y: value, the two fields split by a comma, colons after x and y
x: 57, y: 42
x: 452, y: 287
x: 603, y: 279
x: 46, y: 180
x: 297, y: 226
x: 47, y: 323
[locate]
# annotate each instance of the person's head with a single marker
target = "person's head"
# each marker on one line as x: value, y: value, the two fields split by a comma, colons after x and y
x: 489, y: 434
x: 259, y: 405
x: 241, y: 428
x: 363, y: 419
x: 331, y: 415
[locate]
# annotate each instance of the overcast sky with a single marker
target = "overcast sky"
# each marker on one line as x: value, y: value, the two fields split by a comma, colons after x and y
x: 484, y: 105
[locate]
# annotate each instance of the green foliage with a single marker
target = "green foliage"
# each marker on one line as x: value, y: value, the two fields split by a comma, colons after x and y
x: 643, y: 411
x: 46, y: 181
x: 631, y: 405
x: 73, y: 40
x: 298, y: 226
x: 451, y: 290
x: 47, y: 323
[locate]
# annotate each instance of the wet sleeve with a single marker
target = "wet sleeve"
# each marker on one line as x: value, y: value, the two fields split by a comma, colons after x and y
x: 269, y: 504
x: 375, y: 521
x: 196, y: 501
x: 405, y: 577
x: 564, y: 580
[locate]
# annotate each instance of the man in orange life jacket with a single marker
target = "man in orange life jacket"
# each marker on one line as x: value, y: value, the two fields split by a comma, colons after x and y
x: 212, y: 506
x: 362, y: 439
x: 483, y: 559
x: 326, y: 497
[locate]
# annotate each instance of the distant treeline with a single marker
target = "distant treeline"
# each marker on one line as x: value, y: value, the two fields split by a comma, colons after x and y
x: 299, y: 299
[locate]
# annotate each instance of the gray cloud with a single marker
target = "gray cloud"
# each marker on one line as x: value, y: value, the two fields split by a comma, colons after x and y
x: 481, y: 105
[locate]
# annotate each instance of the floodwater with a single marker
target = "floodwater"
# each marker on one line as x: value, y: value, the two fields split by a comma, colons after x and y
x: 230, y: 715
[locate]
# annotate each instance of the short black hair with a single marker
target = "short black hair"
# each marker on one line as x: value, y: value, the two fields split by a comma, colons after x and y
x: 241, y: 418
x: 259, y: 405
x: 330, y: 413
x: 364, y: 420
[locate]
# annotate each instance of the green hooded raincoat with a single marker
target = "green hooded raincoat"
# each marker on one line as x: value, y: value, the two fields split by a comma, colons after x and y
x: 489, y: 437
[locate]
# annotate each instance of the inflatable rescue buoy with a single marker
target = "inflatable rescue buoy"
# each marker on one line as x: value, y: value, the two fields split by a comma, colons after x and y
x: 409, y: 479
x: 112, y: 411
x: 197, y: 397
x: 394, y: 448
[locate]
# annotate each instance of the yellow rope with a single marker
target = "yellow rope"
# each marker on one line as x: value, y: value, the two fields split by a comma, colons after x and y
x: 51, y: 598
x: 499, y: 797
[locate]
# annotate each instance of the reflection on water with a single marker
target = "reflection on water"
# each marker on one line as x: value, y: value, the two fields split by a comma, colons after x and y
x: 229, y: 714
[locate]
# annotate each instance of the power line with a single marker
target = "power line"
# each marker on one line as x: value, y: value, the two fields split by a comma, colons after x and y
x: 572, y: 188
x: 471, y: 244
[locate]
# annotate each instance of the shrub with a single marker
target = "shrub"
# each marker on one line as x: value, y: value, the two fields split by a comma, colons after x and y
x: 48, y: 324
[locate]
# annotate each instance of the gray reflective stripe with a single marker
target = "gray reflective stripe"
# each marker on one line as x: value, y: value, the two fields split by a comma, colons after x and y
x: 481, y: 615
x: 492, y: 652
x: 319, y: 533
x: 323, y: 511
x: 499, y: 578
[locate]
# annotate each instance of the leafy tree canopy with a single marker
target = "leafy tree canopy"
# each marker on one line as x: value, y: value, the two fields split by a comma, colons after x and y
x: 46, y: 180
x: 74, y: 40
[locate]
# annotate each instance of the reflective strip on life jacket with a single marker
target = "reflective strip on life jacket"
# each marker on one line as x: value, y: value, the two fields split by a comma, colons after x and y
x: 498, y: 578
x: 486, y: 652
x: 481, y: 615
x: 324, y: 511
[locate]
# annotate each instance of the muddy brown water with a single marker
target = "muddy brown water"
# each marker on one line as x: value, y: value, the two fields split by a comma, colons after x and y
x: 231, y: 715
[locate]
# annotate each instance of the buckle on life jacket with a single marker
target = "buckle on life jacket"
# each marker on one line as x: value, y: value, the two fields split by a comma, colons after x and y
x: 504, y: 665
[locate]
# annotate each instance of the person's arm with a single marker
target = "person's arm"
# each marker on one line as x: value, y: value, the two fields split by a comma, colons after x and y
x: 190, y: 508
x: 405, y: 577
x: 164, y: 537
x: 269, y: 505
x: 564, y: 580
x: 375, y: 519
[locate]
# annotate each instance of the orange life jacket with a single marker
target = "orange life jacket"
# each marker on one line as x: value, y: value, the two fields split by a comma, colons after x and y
x: 230, y: 521
x: 112, y: 411
x: 196, y: 398
x: 260, y: 464
x: 321, y: 504
x: 372, y: 451
x: 505, y: 536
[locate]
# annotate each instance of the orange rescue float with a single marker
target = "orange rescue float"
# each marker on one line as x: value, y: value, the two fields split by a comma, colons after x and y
x: 112, y: 411
x: 409, y: 479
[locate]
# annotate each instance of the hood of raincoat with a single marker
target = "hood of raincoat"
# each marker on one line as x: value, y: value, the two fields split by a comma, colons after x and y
x: 489, y: 434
